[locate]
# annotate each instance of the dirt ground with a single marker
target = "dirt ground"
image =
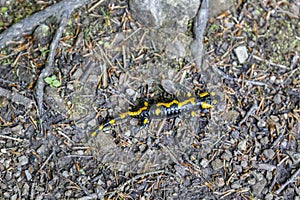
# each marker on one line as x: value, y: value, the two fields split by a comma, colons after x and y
x: 71, y: 73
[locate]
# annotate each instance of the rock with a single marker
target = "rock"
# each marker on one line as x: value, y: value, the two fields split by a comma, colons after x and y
x: 217, y: 164
x: 28, y: 175
x: 242, y: 146
x: 269, y: 196
x: 42, y: 35
x: 176, y: 49
x: 23, y: 160
x: 172, y: 14
x: 277, y: 99
x: 269, y: 153
x: 130, y: 92
x: 258, y: 187
x: 227, y: 155
x: 204, y: 162
x: 241, y: 53
x: 220, y: 181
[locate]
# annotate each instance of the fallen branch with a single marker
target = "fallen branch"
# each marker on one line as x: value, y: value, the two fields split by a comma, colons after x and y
x: 199, y: 30
x: 27, y: 25
x: 49, y: 66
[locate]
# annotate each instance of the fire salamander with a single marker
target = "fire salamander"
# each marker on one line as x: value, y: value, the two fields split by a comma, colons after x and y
x: 162, y: 110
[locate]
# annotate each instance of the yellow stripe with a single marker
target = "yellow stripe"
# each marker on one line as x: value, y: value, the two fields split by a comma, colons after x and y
x: 134, y: 113
x: 204, y: 94
x: 111, y: 122
x: 205, y: 105
x: 180, y: 104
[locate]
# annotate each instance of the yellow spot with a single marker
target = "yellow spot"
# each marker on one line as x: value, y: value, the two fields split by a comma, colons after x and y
x: 180, y: 104
x: 193, y: 114
x: 212, y: 94
x: 145, y: 103
x: 206, y: 105
x: 214, y: 101
x: 146, y: 121
x: 188, y: 94
x: 123, y: 115
x: 93, y: 134
x: 112, y: 121
x: 157, y: 111
x: 100, y: 128
x: 204, y: 94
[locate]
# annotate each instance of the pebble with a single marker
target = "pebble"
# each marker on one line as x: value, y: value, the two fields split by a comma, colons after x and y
x: 242, y: 146
x: 28, y: 175
x: 241, y: 53
x: 7, y: 195
x: 41, y: 149
x: 25, y: 189
x: 272, y: 78
x: 204, y: 162
x: 244, y: 164
x: 130, y: 92
x: 274, y: 118
x: 217, y: 164
x: 236, y: 185
x: 23, y: 160
x: 8, y: 176
x: 227, y: 155
x: 251, y: 181
x: 220, y: 181
x: 261, y: 123
x: 277, y: 99
x: 259, y: 186
x: 269, y: 196
x: 269, y: 153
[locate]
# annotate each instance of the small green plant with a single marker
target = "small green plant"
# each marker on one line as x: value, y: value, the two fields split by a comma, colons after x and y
x: 3, y: 9
x: 52, y: 81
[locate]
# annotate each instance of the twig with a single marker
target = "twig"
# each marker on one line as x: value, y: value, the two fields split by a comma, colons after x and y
x: 47, y: 160
x: 15, y: 97
x: 121, y: 187
x: 49, y: 66
x: 26, y: 25
x: 225, y: 76
x: 11, y: 138
x: 290, y: 180
x: 252, y: 109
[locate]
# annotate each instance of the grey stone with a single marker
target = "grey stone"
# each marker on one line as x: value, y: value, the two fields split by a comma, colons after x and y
x: 269, y: 153
x: 241, y: 53
x: 258, y: 187
x: 242, y: 146
x: 28, y: 175
x: 220, y: 181
x: 204, y: 162
x: 217, y: 164
x: 160, y: 13
x: 227, y: 155
x: 23, y: 160
x: 42, y: 34
x: 277, y: 99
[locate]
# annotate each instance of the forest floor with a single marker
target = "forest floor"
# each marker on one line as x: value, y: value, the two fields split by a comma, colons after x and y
x: 74, y: 72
